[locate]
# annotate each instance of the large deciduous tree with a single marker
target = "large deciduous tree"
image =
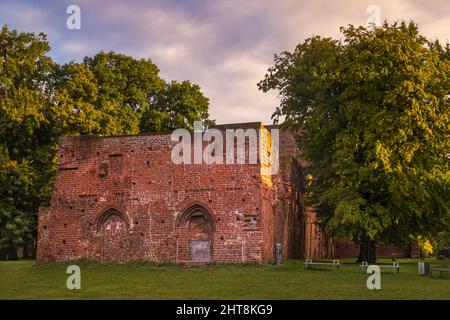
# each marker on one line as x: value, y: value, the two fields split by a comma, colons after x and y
x: 26, y: 138
x: 178, y: 105
x: 373, y: 116
x: 126, y: 87
x: 112, y: 93
x: 17, y: 197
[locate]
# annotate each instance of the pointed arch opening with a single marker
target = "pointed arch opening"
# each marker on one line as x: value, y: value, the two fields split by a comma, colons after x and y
x: 108, y: 214
x: 114, y: 230
x: 195, y: 234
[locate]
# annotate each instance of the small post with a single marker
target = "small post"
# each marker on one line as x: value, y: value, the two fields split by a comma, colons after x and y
x: 424, y: 268
x: 278, y: 254
x: 396, y: 267
x: 364, y: 266
x: 307, y: 262
x: 336, y: 265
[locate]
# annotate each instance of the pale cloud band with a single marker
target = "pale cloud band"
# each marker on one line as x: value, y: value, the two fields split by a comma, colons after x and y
x: 224, y: 46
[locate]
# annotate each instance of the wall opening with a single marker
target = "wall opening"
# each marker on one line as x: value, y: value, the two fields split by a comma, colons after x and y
x: 196, y: 231
x: 199, y: 237
x: 114, y: 233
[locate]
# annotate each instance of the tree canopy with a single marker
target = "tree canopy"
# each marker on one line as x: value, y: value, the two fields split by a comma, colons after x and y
x: 372, y: 117
x: 177, y: 105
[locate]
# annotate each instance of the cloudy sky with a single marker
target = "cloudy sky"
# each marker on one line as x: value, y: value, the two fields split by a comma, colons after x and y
x: 225, y: 46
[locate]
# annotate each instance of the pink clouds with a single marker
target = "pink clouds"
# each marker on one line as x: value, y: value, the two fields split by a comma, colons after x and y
x: 224, y: 46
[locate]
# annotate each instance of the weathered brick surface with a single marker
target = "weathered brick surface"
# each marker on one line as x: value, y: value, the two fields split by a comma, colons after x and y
x: 346, y: 249
x: 122, y: 198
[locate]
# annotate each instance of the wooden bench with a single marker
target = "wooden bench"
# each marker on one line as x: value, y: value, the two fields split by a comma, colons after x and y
x: 394, y: 266
x: 335, y: 264
x: 439, y: 268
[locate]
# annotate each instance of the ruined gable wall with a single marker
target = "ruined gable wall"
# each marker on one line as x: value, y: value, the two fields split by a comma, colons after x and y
x: 134, y: 175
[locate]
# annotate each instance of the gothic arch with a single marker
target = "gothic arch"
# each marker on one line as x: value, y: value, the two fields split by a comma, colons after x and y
x: 195, y: 209
x: 113, y: 230
x: 107, y: 214
x: 195, y: 234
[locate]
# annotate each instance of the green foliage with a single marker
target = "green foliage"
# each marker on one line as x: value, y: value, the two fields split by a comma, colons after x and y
x: 373, y: 117
x: 178, y: 105
x: 126, y: 86
x: 441, y: 241
x: 17, y: 197
x: 114, y: 94
x: 106, y: 94
x: 27, y: 141
x: 76, y: 93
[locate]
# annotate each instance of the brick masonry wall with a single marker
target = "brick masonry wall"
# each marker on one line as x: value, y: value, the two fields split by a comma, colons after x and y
x: 122, y: 198
x: 347, y: 249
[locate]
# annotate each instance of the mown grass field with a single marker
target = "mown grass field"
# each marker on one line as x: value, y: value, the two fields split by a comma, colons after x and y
x: 137, y: 280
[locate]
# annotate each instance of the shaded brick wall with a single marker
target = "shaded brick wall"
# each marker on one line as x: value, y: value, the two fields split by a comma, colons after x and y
x: 347, y: 249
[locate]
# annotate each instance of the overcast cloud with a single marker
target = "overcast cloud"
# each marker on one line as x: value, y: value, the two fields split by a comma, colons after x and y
x: 224, y: 46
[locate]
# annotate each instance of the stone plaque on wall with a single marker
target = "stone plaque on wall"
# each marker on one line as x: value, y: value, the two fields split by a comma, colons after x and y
x: 200, y: 250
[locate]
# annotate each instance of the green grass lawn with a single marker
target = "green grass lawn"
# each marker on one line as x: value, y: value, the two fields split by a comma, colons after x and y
x: 26, y: 280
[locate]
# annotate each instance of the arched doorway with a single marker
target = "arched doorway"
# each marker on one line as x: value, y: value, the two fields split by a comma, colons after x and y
x: 114, y: 231
x: 197, y: 229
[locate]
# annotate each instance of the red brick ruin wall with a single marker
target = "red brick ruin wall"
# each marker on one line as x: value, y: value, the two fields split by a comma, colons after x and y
x: 122, y: 198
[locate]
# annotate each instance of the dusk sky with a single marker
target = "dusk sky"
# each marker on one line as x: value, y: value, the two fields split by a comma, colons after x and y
x: 224, y: 46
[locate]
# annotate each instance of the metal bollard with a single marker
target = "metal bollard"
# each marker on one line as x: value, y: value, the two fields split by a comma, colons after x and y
x: 424, y: 268
x: 278, y: 254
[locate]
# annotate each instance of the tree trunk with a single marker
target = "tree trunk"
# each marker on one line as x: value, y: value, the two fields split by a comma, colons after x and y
x: 12, y: 253
x: 33, y: 249
x: 3, y: 254
x: 26, y: 253
x: 408, y: 251
x: 367, y: 251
